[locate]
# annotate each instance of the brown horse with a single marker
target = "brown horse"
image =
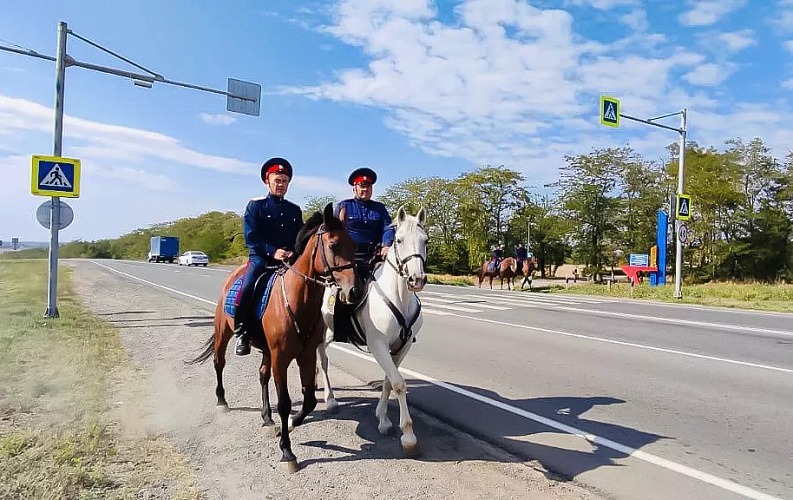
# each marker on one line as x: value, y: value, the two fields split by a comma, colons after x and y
x: 292, y: 324
x: 505, y: 270
x: 527, y: 271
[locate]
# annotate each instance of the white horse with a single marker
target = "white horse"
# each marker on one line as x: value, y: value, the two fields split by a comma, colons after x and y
x: 390, y: 316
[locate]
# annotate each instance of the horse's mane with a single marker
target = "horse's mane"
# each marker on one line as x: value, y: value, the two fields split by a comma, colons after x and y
x: 310, y: 227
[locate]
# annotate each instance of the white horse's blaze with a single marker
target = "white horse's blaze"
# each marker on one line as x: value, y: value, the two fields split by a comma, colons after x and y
x: 399, y: 278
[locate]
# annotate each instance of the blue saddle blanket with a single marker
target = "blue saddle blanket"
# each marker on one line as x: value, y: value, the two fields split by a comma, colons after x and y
x: 233, y: 296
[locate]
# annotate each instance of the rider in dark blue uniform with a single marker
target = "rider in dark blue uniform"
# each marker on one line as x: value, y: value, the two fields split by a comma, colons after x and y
x: 521, y: 254
x: 366, y: 220
x: 271, y: 225
x: 370, y: 227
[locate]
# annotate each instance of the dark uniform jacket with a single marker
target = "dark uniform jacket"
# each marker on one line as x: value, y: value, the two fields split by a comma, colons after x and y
x: 271, y: 223
x: 368, y: 223
x: 521, y: 253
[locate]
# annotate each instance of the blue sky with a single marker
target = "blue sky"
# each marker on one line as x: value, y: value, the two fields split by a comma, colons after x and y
x: 409, y: 88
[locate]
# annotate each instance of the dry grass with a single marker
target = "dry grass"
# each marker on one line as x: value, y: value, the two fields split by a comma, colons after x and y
x: 58, y: 378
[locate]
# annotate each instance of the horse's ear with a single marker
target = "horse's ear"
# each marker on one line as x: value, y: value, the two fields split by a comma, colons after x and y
x: 327, y: 214
x: 401, y: 214
x: 422, y: 216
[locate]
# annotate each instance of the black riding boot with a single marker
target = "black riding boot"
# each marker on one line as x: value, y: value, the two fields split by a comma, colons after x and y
x: 243, y: 344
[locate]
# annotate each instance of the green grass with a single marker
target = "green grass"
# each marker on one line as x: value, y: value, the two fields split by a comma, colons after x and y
x: 448, y: 279
x: 30, y: 253
x: 758, y: 296
x: 57, y: 377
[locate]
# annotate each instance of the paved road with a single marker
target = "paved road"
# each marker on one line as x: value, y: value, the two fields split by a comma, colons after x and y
x: 639, y: 400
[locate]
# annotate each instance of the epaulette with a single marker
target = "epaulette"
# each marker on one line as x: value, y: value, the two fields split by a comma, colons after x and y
x: 258, y: 198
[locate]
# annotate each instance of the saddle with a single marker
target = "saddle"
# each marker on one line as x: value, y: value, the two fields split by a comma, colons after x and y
x: 261, y: 295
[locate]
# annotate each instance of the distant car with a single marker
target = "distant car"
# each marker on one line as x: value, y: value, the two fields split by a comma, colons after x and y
x: 193, y: 258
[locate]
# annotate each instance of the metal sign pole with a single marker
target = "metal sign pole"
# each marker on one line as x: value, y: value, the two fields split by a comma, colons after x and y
x: 57, y: 143
x: 681, y: 173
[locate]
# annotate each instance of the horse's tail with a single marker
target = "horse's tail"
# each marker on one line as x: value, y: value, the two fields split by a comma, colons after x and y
x: 209, y: 350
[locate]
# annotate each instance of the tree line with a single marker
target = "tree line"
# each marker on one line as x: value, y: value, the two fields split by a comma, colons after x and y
x: 602, y: 208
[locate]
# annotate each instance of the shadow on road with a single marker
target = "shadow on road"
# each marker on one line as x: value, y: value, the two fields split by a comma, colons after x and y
x: 525, y: 438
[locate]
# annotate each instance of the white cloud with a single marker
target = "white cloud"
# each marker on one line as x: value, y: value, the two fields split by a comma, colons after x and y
x: 471, y: 90
x: 604, y: 4
x: 788, y: 84
x: 636, y: 19
x: 508, y: 82
x: 707, y: 12
x: 709, y: 74
x: 782, y: 20
x: 738, y: 40
x: 217, y: 119
x: 788, y: 44
x: 118, y: 198
x: 102, y: 140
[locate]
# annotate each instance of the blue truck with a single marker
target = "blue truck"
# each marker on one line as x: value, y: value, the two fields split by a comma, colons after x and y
x: 164, y: 249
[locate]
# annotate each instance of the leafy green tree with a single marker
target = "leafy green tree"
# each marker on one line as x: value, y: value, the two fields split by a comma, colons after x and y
x: 588, y: 195
x: 316, y: 204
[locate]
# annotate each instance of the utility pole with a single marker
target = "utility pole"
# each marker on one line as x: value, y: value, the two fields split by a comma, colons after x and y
x: 241, y: 97
x: 57, y: 147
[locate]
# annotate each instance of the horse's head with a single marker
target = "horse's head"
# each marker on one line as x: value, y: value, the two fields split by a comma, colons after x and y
x: 409, y: 249
x: 333, y: 256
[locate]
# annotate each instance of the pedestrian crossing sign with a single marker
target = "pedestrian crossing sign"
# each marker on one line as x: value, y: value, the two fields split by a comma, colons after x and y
x: 609, y: 111
x: 683, y: 211
x: 55, y: 176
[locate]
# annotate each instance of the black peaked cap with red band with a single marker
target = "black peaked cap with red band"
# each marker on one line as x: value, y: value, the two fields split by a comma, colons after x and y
x: 276, y: 166
x: 363, y: 174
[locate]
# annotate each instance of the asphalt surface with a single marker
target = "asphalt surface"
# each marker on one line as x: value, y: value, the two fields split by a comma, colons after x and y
x: 636, y: 399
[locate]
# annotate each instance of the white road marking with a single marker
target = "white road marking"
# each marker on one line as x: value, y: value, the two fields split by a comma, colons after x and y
x: 656, y: 319
x: 451, y: 308
x: 464, y: 302
x: 626, y: 344
x: 153, y: 284
x: 641, y: 455
x: 592, y: 438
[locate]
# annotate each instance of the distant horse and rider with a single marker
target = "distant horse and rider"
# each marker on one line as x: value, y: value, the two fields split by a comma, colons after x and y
x: 506, y: 269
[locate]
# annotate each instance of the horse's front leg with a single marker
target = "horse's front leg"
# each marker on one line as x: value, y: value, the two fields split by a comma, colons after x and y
x: 308, y: 365
x: 280, y: 369
x: 264, y: 380
x: 331, y: 405
x: 381, y: 353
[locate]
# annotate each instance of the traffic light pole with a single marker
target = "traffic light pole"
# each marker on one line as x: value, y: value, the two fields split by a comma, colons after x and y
x: 681, y: 176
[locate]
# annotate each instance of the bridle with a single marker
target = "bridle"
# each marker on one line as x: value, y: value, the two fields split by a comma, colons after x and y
x: 401, y: 264
x: 325, y: 277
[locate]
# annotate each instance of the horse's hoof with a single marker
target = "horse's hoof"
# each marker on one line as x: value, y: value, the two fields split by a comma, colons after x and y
x: 268, y: 422
x: 385, y: 430
x: 289, y: 467
x: 331, y: 406
x: 223, y: 408
x: 411, y: 450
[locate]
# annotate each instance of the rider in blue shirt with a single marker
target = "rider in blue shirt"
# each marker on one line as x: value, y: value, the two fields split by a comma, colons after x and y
x: 270, y: 225
x: 366, y: 220
x: 370, y: 227
x: 521, y: 254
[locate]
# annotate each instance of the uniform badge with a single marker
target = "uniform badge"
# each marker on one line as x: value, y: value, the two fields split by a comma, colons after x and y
x: 331, y: 300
